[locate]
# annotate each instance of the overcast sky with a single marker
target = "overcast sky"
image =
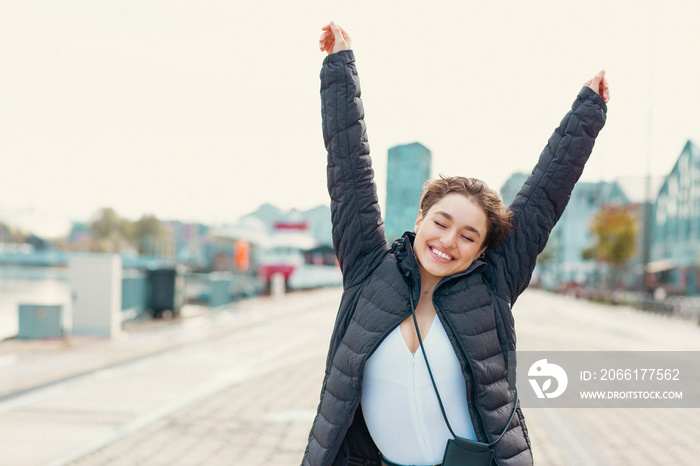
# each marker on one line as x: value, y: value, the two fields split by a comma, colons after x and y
x: 204, y: 110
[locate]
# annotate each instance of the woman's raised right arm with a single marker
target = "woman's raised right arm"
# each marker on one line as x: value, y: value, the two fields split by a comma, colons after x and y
x: 358, y: 230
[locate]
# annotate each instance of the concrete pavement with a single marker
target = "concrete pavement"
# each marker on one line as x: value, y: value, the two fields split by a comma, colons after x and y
x: 256, y: 346
x: 600, y: 437
x: 241, y: 387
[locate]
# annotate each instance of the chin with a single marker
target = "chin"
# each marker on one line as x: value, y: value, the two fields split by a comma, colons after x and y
x: 447, y: 271
x: 438, y: 271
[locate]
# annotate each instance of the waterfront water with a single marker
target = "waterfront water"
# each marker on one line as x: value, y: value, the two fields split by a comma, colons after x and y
x: 29, y: 285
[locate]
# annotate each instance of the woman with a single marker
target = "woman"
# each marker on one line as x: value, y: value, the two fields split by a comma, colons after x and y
x: 461, y: 270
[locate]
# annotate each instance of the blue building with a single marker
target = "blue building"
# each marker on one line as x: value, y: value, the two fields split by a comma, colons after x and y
x: 408, y: 168
x: 571, y: 236
x: 675, y: 247
x: 511, y: 187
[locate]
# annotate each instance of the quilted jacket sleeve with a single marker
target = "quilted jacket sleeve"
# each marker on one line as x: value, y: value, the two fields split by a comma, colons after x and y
x: 542, y: 199
x: 358, y: 231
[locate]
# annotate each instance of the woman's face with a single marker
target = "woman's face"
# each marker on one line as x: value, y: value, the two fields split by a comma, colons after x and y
x: 450, y: 235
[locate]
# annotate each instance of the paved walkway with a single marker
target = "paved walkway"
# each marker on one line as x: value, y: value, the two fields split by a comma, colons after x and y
x: 241, y: 387
x: 606, y: 437
x: 264, y: 421
x: 247, y: 378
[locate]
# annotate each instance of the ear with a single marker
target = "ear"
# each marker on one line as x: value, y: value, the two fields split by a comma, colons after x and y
x: 419, y: 220
x: 483, y: 250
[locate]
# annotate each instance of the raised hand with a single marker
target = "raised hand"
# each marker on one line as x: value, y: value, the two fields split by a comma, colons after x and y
x: 333, y: 39
x: 600, y: 85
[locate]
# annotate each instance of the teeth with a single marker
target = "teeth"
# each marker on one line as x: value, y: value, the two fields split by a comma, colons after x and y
x: 441, y: 254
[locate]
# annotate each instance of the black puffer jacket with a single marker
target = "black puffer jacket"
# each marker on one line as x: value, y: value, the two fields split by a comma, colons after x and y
x: 473, y: 306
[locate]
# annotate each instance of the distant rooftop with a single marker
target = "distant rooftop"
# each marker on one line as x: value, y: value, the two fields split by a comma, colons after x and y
x: 634, y: 187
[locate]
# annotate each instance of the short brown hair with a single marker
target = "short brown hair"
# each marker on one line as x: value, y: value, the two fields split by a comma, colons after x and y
x: 499, y: 218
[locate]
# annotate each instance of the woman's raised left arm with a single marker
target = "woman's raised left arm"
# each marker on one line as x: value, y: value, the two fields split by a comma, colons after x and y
x: 542, y: 199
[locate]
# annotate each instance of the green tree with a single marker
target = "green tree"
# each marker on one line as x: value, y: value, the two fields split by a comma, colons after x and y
x: 615, y: 229
x: 110, y: 232
x: 11, y: 234
x: 148, y: 235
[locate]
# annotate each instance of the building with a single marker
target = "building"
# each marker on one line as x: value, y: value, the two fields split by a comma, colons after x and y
x: 408, y: 168
x: 564, y: 259
x: 668, y: 257
x: 318, y: 220
x: 675, y: 247
x: 511, y: 187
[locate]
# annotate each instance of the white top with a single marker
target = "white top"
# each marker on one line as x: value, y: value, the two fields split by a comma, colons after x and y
x: 399, y: 403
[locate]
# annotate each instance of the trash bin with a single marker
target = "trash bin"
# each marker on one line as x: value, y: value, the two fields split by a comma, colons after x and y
x: 134, y: 293
x: 220, y: 283
x: 165, y: 291
x: 40, y: 321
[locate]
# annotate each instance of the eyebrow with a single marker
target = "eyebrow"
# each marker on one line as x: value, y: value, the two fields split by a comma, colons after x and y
x: 451, y: 219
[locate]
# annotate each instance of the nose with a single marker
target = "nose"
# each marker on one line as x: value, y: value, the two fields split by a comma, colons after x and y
x: 449, y: 240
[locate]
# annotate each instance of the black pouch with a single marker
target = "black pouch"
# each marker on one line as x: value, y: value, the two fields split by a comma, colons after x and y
x: 461, y: 451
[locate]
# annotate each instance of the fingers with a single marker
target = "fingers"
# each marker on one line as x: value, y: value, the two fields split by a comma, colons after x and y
x: 326, y: 40
x: 325, y: 37
x: 600, y: 85
x: 595, y: 82
x: 337, y: 32
x: 602, y: 88
x: 334, y: 38
x: 605, y: 90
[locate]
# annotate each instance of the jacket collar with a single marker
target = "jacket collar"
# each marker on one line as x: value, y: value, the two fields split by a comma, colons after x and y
x: 406, y: 259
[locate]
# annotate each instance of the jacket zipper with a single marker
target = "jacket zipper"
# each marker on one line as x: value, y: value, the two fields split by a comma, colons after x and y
x: 469, y: 386
x: 356, y: 401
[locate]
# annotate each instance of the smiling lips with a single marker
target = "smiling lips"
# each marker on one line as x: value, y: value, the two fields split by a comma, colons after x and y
x: 441, y: 255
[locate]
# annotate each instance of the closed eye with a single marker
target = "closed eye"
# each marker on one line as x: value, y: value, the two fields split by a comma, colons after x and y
x: 439, y: 224
x: 468, y: 238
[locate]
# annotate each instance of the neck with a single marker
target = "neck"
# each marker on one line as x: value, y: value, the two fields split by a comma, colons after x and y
x: 428, y: 282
